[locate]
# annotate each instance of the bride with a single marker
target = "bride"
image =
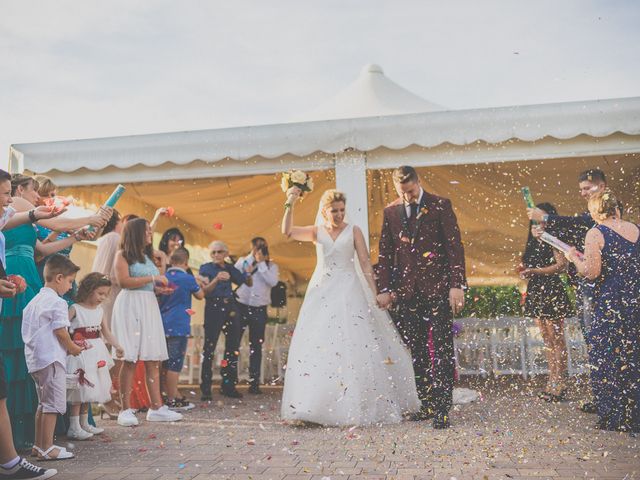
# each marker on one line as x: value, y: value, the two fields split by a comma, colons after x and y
x: 347, y: 364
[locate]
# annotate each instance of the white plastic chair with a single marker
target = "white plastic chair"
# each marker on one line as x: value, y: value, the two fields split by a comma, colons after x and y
x: 508, y: 351
x: 472, y: 347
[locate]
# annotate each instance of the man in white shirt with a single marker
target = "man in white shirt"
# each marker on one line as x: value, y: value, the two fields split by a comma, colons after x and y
x: 253, y: 302
x: 45, y: 320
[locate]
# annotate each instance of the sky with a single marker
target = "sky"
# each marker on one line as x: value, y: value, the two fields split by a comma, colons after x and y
x: 85, y: 68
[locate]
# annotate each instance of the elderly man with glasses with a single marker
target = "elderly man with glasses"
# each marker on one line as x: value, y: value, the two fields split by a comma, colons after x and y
x: 221, y: 315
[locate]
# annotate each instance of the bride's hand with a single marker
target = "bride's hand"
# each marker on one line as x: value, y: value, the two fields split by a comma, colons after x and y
x: 293, y: 194
x: 384, y: 300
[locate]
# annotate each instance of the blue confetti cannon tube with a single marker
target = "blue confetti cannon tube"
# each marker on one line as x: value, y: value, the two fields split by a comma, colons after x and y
x: 113, y: 199
x: 115, y: 196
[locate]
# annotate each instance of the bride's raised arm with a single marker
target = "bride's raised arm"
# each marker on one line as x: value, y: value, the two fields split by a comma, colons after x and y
x: 302, y: 234
x: 363, y: 257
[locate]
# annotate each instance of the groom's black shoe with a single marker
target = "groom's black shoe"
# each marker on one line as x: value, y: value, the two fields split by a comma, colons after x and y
x: 425, y: 413
x: 441, y: 420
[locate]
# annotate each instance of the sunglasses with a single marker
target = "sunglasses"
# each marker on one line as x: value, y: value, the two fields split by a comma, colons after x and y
x: 214, y: 252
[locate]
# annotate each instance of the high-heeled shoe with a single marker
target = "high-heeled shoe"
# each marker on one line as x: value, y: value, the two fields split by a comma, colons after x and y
x: 552, y: 398
x: 104, y: 411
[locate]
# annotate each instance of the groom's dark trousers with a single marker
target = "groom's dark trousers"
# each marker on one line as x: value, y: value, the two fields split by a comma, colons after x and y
x: 414, y: 319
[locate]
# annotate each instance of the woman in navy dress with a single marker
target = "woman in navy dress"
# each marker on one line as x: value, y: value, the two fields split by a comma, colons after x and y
x: 612, y: 258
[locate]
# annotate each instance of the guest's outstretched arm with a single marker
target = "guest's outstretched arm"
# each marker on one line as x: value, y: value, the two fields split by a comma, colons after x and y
x: 589, y: 265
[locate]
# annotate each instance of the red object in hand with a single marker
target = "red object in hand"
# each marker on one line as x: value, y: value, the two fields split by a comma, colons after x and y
x: 170, y: 211
x: 217, y: 226
x: 102, y: 363
x: 190, y: 311
x: 224, y: 363
x: 19, y: 282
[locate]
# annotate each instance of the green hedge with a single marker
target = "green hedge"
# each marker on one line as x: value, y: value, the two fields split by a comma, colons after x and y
x: 491, y: 302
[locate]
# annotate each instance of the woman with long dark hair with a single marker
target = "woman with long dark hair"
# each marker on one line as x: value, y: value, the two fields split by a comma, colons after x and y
x: 548, y: 303
x: 171, y: 240
x: 136, y: 320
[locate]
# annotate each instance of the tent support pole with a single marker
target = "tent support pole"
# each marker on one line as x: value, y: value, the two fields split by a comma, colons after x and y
x: 351, y: 179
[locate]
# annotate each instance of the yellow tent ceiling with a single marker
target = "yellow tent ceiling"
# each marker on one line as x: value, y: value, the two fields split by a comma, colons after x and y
x: 486, y: 199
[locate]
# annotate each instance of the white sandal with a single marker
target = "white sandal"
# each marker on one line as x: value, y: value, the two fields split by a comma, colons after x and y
x: 63, y: 454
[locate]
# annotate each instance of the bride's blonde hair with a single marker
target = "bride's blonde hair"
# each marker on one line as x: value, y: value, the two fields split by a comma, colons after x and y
x: 329, y: 197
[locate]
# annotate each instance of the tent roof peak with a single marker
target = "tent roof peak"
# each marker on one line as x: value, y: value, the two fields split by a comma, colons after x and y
x: 371, y: 94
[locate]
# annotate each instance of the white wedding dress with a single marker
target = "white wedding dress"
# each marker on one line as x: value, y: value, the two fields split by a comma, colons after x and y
x: 347, y: 364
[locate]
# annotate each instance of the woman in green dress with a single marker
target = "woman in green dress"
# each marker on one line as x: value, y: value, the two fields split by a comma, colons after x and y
x: 21, y: 248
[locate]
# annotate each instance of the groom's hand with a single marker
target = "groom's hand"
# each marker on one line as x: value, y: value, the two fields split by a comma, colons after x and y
x: 384, y: 300
x: 456, y: 300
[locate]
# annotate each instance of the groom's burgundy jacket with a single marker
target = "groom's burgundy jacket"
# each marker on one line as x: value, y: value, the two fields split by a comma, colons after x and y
x: 422, y: 258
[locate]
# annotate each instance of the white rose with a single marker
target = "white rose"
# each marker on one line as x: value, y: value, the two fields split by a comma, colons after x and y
x: 310, y: 184
x: 284, y: 184
x: 299, y: 177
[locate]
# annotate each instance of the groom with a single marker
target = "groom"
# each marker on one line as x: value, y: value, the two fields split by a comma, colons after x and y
x: 421, y: 272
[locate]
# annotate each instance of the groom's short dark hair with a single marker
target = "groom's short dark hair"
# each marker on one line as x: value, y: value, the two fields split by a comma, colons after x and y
x: 405, y: 174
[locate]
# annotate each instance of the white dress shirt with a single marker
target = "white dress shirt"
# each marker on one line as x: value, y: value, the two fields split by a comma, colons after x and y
x: 265, y: 277
x: 407, y: 206
x: 46, y: 312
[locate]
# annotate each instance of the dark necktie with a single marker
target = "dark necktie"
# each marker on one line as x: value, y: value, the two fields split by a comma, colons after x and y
x: 413, y: 214
x: 414, y: 210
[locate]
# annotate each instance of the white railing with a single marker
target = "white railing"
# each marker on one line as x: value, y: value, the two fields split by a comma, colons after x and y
x: 499, y: 346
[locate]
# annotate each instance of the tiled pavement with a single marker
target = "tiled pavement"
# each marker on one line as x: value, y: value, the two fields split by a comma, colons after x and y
x: 509, y: 434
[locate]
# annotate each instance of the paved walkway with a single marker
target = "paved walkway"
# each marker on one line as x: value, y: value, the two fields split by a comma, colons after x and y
x: 508, y: 435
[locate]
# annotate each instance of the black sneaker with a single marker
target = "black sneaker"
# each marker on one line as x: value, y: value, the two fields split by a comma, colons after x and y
x: 424, y: 413
x: 254, y: 389
x: 231, y: 393
x: 180, y: 404
x: 25, y: 469
x: 588, y: 407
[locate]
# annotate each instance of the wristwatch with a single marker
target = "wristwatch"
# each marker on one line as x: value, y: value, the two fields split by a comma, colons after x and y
x: 32, y: 216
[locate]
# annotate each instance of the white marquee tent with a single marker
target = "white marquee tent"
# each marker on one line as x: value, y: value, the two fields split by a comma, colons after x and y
x: 479, y: 158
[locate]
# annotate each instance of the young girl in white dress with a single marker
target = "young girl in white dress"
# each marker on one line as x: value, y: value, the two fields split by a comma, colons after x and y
x: 91, y: 367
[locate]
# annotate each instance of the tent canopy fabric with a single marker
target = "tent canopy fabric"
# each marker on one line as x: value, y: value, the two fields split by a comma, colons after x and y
x: 308, y: 140
x: 224, y: 183
x: 371, y: 94
x: 486, y: 199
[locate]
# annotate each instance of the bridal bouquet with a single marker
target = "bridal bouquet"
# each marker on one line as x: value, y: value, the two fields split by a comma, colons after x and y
x: 296, y: 178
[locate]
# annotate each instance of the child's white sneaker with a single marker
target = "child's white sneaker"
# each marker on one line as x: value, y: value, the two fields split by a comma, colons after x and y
x: 78, y: 434
x: 163, y: 414
x: 127, y: 418
x: 91, y: 429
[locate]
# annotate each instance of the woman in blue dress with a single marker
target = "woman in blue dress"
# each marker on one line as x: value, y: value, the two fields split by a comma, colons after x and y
x: 612, y: 258
x: 21, y: 246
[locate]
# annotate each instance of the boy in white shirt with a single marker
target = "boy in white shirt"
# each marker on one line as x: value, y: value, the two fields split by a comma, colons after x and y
x: 47, y: 342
